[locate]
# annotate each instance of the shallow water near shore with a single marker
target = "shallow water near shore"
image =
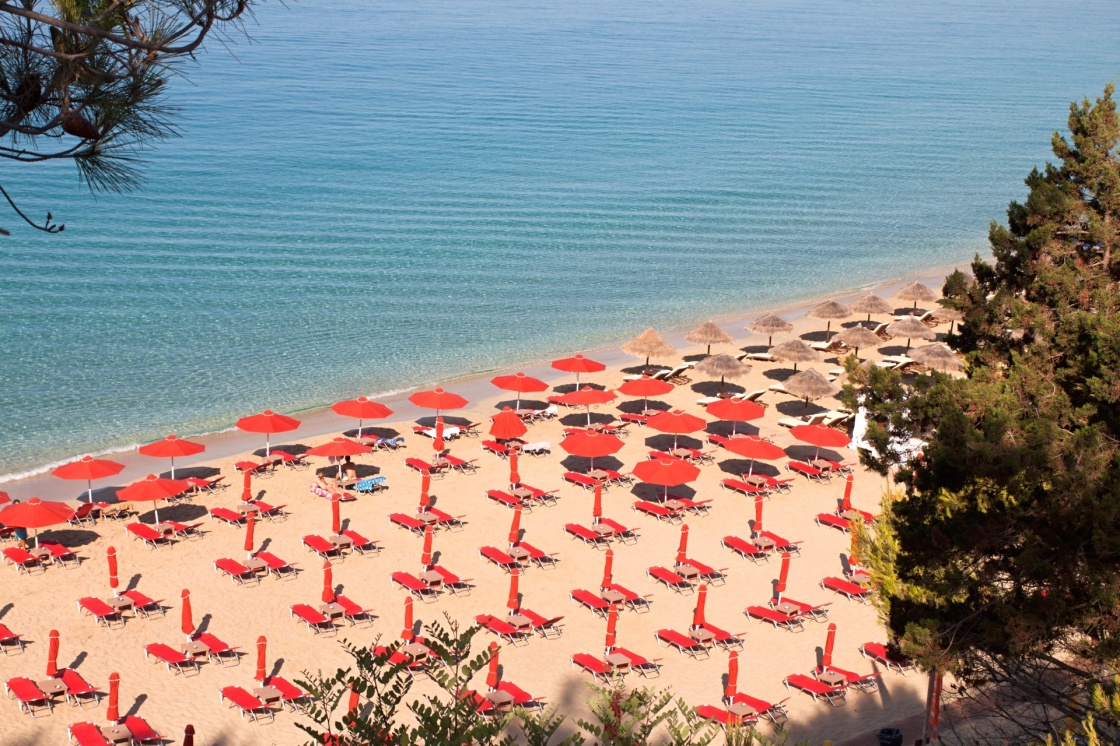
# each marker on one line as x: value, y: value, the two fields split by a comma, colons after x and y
x: 375, y: 196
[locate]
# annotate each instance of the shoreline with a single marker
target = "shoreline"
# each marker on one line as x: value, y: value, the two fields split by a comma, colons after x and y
x: 317, y: 421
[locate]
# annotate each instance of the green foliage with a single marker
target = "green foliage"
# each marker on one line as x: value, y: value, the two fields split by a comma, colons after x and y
x: 625, y: 717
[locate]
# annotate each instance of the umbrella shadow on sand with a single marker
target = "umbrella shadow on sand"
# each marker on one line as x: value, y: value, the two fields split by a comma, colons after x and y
x: 807, y: 452
x: 751, y: 349
x: 296, y: 449
x: 664, y: 442
x: 778, y: 374
x: 580, y: 419
x: 738, y: 466
x: 197, y: 472
x: 714, y: 388
x: 637, y: 406
x: 71, y: 538
x: 525, y: 404
x: 814, y: 336
x: 796, y: 408
x: 567, y: 388
x: 381, y: 432
x: 448, y: 421
x: 637, y: 370
x: 180, y: 513
x: 725, y: 428
x: 656, y: 494
x: 581, y: 464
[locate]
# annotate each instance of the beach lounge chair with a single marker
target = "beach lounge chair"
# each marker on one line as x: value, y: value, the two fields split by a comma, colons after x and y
x: 539, y: 448
x: 217, y: 650
x: 724, y: 639
x: 102, y: 612
x: 811, y: 473
x: 880, y: 653
x: 24, y: 561
x: 142, y: 733
x: 818, y: 690
x: 637, y: 419
x: 834, y: 521
x: 538, y: 557
x: 276, y: 566
x: 227, y: 516
x: 630, y: 599
x: 721, y: 716
x: 647, y: 668
x: 353, y: 613
x: 617, y: 477
x: 170, y: 657
x: 582, y: 480
x: 776, y: 618
x: 460, y: 465
x: 9, y: 641
x: 624, y: 534
x: 708, y: 574
x: 547, y: 627
x: 865, y: 683
x: 446, y: 520
x: 152, y: 539
x: 208, y: 485
x: 291, y: 695
x: 452, y: 582
x: 683, y: 644
x: 188, y: 531
x: 781, y: 544
x: 591, y: 601
x: 781, y: 485
x: 507, y: 500
x: 79, y: 692
x: 774, y: 712
x: 814, y: 419
x: 325, y: 549
x: 415, y: 586
x: 237, y: 572
x: 746, y: 549
x: 274, y: 513
x: 499, y: 558
x: 87, y: 734
x: 359, y: 543
x: 696, y: 507
x: 495, y: 448
x: 537, y: 495
x: 60, y: 554
x: 247, y: 704
x: 660, y: 512
x: 719, y: 440
x: 670, y: 580
x: 85, y: 515
x: 743, y: 488
x: 848, y: 589
x: 587, y: 536
x: 817, y: 613
x: 503, y: 629
x: 599, y: 670
x: 144, y: 606
x: 371, y: 484
x: 435, y: 471
x: 315, y: 621
x: 30, y: 697
x: 407, y: 522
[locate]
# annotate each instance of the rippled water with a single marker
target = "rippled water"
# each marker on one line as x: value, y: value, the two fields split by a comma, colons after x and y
x: 377, y: 194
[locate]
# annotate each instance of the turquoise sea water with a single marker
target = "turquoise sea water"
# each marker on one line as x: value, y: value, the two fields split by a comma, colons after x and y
x: 372, y: 195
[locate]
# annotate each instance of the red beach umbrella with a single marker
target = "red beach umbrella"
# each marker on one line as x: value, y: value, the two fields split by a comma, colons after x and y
x: 426, y: 555
x: 754, y: 448
x: 269, y: 423
x: 250, y: 526
x: 111, y: 553
x: 701, y: 602
x: 339, y: 448
x: 732, y: 687
x: 153, y: 489
x: 171, y: 447
x: 506, y: 425
x: 437, y: 399
x: 677, y: 423
x: 587, y: 397
x: 406, y: 633
x: 736, y: 410
x: 262, y: 648
x: 492, y: 674
x: 515, y: 526
x: 425, y: 485
x: 512, y: 603
x: 328, y: 583
x: 113, y: 712
x: 612, y: 628
x: 187, y: 624
x: 514, y: 477
x: 52, y: 654
x: 666, y: 471
x: 247, y: 491
x: 645, y: 387
x: 336, y: 514
x: 820, y: 436
x: 36, y: 513
x: 592, y: 445
x: 520, y: 383
x: 829, y: 643
x: 361, y: 409
x: 4, y: 498
x: 88, y: 468
x: 682, y: 547
x: 188, y: 735
x: 578, y: 364
x: 758, y: 513
x: 846, y: 503
x: 437, y: 441
x: 608, y: 569
x: 783, y: 576
x: 597, y: 509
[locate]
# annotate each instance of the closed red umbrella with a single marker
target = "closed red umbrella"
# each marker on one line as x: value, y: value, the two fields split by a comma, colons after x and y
x: 758, y: 513
x: 336, y: 514
x: 52, y: 654
x: 269, y: 423
x: 250, y: 527
x: 682, y: 546
x: 188, y: 735
x: 111, y: 554
x: 732, y: 687
x: 515, y: 526
x: 578, y: 364
x: 512, y: 602
x: 361, y: 409
x: 406, y: 633
x: 783, y: 576
x: 514, y: 477
x: 171, y: 447
x: 587, y: 397
x: 247, y: 490
x: 820, y: 436
x: 608, y: 570
x: 426, y: 555
x: 87, y: 469
x: 506, y: 425
x: 676, y: 423
x: 829, y: 643
x: 666, y: 471
x: 425, y: 485
x: 612, y: 628
x: 187, y: 623
x: 754, y: 448
x: 736, y: 410
x: 520, y: 383
x: 492, y: 674
x: 437, y: 439
x: 592, y: 445
x: 113, y: 712
x: 645, y: 387
x: 328, y: 583
x: 597, y: 508
x: 153, y: 489
x: 437, y: 399
x: 698, y: 612
x: 846, y: 503
x: 262, y: 648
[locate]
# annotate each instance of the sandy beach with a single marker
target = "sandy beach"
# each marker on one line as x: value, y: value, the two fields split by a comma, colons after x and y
x: 33, y: 605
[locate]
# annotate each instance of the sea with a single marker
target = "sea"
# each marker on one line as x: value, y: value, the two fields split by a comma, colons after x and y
x: 369, y: 195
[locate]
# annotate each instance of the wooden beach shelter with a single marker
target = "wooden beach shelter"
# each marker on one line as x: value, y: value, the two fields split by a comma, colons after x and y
x: 810, y: 386
x: 649, y: 344
x: 708, y: 334
x: 830, y: 310
x: 770, y: 324
x: 723, y: 367
x: 937, y: 356
x: 795, y: 351
x: 870, y: 304
x: 910, y: 328
x: 916, y: 291
x: 858, y: 336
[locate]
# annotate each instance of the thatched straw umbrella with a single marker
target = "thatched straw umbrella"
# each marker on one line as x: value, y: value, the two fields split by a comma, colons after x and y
x: 830, y: 310
x: 708, y: 334
x: 938, y: 357
x: 870, y: 304
x: 810, y: 386
x: 722, y: 366
x: 858, y: 336
x: 795, y: 351
x: 770, y: 324
x: 910, y: 328
x: 649, y: 344
x: 916, y: 291
x: 952, y: 314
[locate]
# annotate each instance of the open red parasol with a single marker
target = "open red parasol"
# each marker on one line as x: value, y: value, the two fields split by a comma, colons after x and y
x: 35, y: 513
x: 88, y: 468
x: 578, y: 364
x: 736, y: 410
x: 587, y: 397
x: 153, y: 489
x: 520, y: 383
x: 437, y: 399
x: 187, y: 623
x: 506, y: 425
x: 339, y: 448
x: 666, y: 471
x: 676, y: 423
x: 592, y: 445
x: 645, y: 387
x: 820, y: 436
x: 752, y: 447
x: 361, y: 409
x: 4, y: 498
x: 171, y: 447
x: 269, y: 423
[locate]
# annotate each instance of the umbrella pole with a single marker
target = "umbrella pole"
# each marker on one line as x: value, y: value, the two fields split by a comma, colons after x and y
x: 750, y: 470
x: 721, y: 386
x: 517, y: 406
x: 266, y: 445
x: 359, y: 428
x: 827, y: 331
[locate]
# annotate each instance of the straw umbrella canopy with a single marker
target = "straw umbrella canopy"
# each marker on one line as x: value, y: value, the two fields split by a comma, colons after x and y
x: 938, y: 357
x: 723, y: 366
x: 770, y: 324
x: 810, y: 386
x: 649, y: 344
x: 708, y: 334
x: 795, y: 351
x: 870, y: 304
x: 858, y: 336
x: 910, y: 328
x: 952, y: 314
x: 830, y: 310
x: 916, y: 291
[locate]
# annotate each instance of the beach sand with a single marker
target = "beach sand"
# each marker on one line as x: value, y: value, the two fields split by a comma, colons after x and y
x: 33, y: 605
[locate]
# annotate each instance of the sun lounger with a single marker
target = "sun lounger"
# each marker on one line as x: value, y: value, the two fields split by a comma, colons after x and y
x: 537, y: 495
x: 587, y: 536
x: 142, y: 733
x: 276, y: 566
x: 151, y: 538
x: 776, y: 618
x: 495, y: 448
x: 722, y: 717
x: 708, y: 574
x: 599, y: 670
x: 660, y: 512
x: 247, y: 704
x: 415, y: 586
x: 815, y: 419
x: 743, y: 488
x: 683, y: 644
x: 433, y: 470
x: 882, y: 654
x: 724, y: 639
x: 116, y: 511
x: 359, y: 543
x: 503, y: 629
x: 539, y: 448
x: 746, y: 549
x: 630, y: 599
x: 237, y: 572
x: 507, y: 500
x: 227, y: 516
x: 591, y: 601
x: 781, y: 544
x: 848, y: 589
x: 353, y: 613
x: 582, y: 480
x: 670, y: 580
x: 291, y: 695
x: 315, y: 621
x: 781, y: 485
x: 87, y: 734
x: 60, y: 554
x: 170, y: 657
x: 817, y: 613
x: 617, y: 477
x: 538, y: 557
x: 85, y: 515
x: 834, y: 521
x: 624, y: 534
x: 647, y: 668
x: 9, y: 641
x: 719, y: 440
x: 274, y: 513
x: 217, y: 650
x: 208, y: 485
x: 30, y: 697
x: 325, y: 549
x: 460, y: 465
x: 102, y: 612
x: 865, y: 683
x: 407, y: 522
x: 499, y: 558
x: 446, y: 520
x: 452, y: 582
x: 818, y: 690
x: 696, y: 507
x: 637, y: 419
x: 79, y: 692
x: 777, y: 387
x: 809, y: 472
x: 547, y: 627
x: 188, y: 531
x: 774, y: 712
x: 24, y: 561
x: 144, y: 606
